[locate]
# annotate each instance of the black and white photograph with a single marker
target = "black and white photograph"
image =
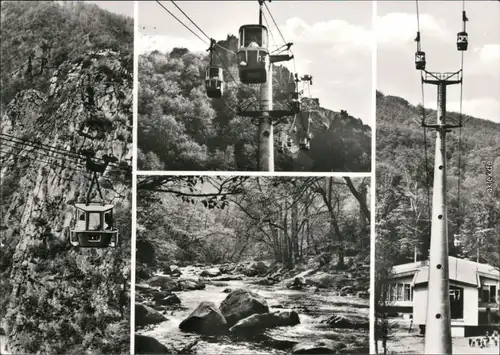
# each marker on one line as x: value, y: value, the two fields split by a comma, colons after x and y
x: 66, y: 176
x: 252, y: 265
x: 255, y: 86
x: 437, y: 264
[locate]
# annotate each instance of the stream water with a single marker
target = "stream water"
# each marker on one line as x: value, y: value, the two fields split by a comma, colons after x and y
x: 311, y: 307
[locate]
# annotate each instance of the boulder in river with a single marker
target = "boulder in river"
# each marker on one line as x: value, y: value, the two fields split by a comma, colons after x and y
x: 240, y: 304
x: 227, y: 290
x: 364, y: 295
x: 164, y: 282
x: 322, y: 346
x: 205, y: 319
x: 190, y: 285
x: 212, y: 272
x: 145, y: 315
x: 228, y: 278
x: 167, y: 300
x: 258, y: 322
x: 149, y: 345
x: 175, y: 271
x: 348, y: 321
x: 325, y: 280
x: 355, y: 350
x: 255, y: 268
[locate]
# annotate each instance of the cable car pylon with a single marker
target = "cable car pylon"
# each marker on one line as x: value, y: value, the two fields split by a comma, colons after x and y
x: 256, y: 67
x: 438, y: 315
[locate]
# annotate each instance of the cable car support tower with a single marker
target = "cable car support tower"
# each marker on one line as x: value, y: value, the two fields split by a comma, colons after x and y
x: 266, y: 114
x: 438, y: 316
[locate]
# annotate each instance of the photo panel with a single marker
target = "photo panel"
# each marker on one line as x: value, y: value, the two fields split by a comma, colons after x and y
x: 66, y: 177
x: 281, y: 86
x: 437, y: 277
x: 252, y: 265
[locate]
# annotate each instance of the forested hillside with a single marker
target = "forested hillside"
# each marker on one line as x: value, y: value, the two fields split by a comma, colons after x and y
x: 180, y: 128
x: 65, y: 68
x: 402, y: 205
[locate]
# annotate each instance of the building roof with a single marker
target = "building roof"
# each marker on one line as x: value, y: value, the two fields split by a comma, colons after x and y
x: 461, y: 270
x: 93, y: 207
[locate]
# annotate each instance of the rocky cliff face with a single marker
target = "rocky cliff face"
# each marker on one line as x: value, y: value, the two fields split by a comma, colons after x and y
x: 59, y: 298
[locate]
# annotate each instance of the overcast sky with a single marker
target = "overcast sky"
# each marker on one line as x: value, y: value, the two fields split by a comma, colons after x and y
x: 439, y: 23
x: 332, y: 40
x: 119, y: 7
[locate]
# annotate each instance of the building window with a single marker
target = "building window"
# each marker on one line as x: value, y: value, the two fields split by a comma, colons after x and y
x: 488, y: 294
x: 400, y: 292
x: 408, y: 296
x: 493, y: 293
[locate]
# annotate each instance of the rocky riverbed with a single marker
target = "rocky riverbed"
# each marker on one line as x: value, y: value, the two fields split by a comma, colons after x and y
x: 253, y: 309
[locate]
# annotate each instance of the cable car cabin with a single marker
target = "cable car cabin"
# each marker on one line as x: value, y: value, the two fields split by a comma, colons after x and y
x: 289, y: 142
x: 420, y: 60
x: 294, y: 102
x: 462, y: 41
x: 281, y: 147
x: 214, y: 82
x: 94, y: 226
x: 253, y: 54
x: 304, y: 144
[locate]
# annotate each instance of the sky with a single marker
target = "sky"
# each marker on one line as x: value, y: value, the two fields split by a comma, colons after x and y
x: 118, y: 7
x: 439, y: 23
x: 332, y: 41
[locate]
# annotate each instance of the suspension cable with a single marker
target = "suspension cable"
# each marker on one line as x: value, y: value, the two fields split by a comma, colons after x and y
x: 423, y: 116
x: 182, y: 23
x: 50, y: 149
x: 459, y: 182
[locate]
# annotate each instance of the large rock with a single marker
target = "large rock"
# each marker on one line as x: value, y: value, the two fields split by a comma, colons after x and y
x: 322, y: 346
x: 348, y: 321
x: 212, y: 272
x: 175, y: 271
x: 148, y: 345
x: 190, y: 285
x: 164, y: 282
x: 355, y: 350
x: 324, y: 280
x: 205, y: 319
x: 240, y: 304
x: 167, y: 300
x: 145, y: 315
x: 258, y: 322
x: 255, y: 268
x: 228, y: 278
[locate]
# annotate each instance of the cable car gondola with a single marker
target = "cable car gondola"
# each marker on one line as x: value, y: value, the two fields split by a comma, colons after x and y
x: 289, y: 142
x: 93, y: 226
x: 304, y: 144
x: 281, y: 147
x: 462, y: 41
x: 214, y: 82
x: 463, y: 37
x: 253, y: 54
x: 420, y: 60
x: 294, y: 103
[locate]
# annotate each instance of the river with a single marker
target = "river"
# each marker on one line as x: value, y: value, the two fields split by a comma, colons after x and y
x: 312, y: 307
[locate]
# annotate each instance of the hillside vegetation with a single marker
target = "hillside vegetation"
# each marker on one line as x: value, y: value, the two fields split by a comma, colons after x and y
x: 180, y: 128
x: 402, y: 204
x: 62, y: 67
